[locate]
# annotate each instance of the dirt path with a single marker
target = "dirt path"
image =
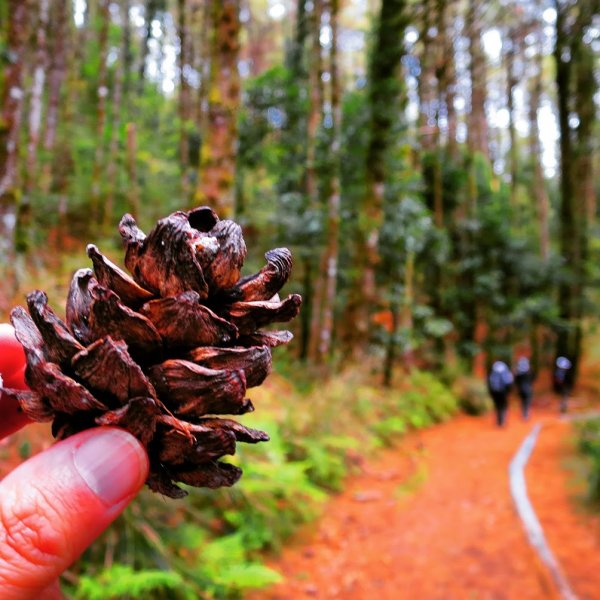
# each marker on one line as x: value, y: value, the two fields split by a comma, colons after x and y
x: 433, y: 520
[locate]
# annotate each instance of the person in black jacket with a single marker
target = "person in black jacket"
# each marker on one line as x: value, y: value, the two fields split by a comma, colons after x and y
x: 499, y: 382
x: 524, y: 381
x: 562, y: 380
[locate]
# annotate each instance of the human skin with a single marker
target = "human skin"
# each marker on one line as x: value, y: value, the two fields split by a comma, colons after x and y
x: 54, y: 505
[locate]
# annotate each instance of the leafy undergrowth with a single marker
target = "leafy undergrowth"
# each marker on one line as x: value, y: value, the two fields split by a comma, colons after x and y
x: 210, y: 544
x: 588, y: 443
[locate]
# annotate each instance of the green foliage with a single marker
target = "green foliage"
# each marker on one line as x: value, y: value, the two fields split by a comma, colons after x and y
x: 472, y: 394
x: 588, y: 441
x: 124, y: 583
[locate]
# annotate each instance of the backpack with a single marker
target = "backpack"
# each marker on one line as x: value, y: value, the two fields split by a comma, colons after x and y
x: 560, y: 375
x: 497, y: 381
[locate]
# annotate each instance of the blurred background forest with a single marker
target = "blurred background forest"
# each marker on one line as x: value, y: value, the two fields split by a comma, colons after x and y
x: 430, y: 163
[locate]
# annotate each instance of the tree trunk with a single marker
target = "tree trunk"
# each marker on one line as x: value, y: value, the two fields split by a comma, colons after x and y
x: 426, y: 79
x: 56, y: 78
x: 150, y: 12
x: 511, y: 49
x: 217, y: 159
x: 127, y: 53
x: 184, y: 95
x: 36, y: 99
x: 112, y: 168
x: 333, y: 202
x: 324, y: 305
x: 585, y: 88
x: 539, y: 193
x: 384, y: 92
x: 133, y: 194
x: 101, y: 94
x: 570, y: 288
x: 447, y: 71
x: 315, y: 117
x: 477, y: 136
x: 12, y: 98
x: 315, y: 110
x: 10, y: 121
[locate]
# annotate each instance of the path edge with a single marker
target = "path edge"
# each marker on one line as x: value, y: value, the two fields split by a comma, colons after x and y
x: 526, y: 512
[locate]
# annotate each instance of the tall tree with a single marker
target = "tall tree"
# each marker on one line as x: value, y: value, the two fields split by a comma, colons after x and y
x: 217, y: 157
x: 446, y: 71
x: 511, y: 47
x: 56, y: 76
x: 37, y: 91
x: 538, y: 189
x: 12, y: 97
x: 575, y: 90
x: 383, y: 96
x: 103, y: 20
x: 113, y: 159
x: 477, y: 136
x: 315, y: 111
x: 151, y: 9
x: 323, y: 311
x: 185, y: 92
x: 314, y: 281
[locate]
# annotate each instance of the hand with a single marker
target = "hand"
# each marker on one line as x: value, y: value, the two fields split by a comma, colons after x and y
x: 12, y: 372
x: 55, y: 504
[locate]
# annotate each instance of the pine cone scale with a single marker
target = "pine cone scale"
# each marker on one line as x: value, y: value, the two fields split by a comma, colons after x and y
x: 183, y: 322
x: 111, y: 276
x: 194, y: 391
x: 127, y: 379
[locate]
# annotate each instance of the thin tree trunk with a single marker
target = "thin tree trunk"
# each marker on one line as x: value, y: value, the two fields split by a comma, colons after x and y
x: 127, y: 53
x: 510, y: 42
x: 333, y: 202
x: 12, y: 99
x: 150, y: 11
x: 36, y: 100
x: 10, y: 121
x: 315, y: 111
x: 384, y: 92
x: 112, y: 168
x: 315, y: 117
x: 447, y: 72
x: 569, y: 336
x: 477, y: 137
x: 585, y: 89
x: 133, y: 194
x: 542, y: 202
x: 56, y: 78
x: 184, y: 94
x: 217, y: 159
x: 426, y: 79
x: 391, y: 347
x: 101, y: 94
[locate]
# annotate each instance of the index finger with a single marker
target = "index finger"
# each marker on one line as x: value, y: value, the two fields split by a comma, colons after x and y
x: 12, y: 374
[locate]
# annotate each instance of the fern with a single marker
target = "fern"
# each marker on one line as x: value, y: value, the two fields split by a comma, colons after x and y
x: 123, y: 582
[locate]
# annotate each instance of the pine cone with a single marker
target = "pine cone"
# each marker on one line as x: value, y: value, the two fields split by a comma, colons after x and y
x: 160, y: 353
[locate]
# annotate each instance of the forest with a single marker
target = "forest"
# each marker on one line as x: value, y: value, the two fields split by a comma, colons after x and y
x: 430, y: 164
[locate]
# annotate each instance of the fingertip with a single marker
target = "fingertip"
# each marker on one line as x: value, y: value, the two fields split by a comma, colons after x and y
x: 12, y: 355
x: 59, y: 501
x: 113, y: 464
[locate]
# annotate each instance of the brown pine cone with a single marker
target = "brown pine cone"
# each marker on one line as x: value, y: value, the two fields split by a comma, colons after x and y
x: 163, y: 352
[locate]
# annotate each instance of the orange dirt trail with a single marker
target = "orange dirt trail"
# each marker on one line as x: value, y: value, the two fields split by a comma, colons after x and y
x: 433, y: 519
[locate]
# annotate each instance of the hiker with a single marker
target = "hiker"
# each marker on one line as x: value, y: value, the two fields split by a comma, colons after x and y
x: 499, y: 381
x: 524, y: 382
x: 562, y: 380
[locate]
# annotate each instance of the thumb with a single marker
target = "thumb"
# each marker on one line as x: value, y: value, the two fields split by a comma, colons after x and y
x: 55, y: 504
